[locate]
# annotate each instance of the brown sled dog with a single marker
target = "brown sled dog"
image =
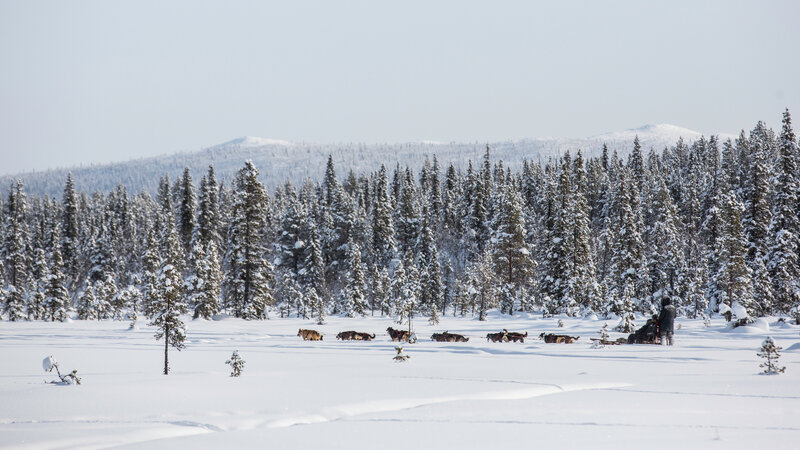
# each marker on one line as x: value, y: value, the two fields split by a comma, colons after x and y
x: 309, y: 335
x: 398, y: 335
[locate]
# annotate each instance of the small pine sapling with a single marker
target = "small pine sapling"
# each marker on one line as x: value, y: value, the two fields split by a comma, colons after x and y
x: 50, y: 363
x: 600, y: 343
x: 400, y: 356
x: 237, y: 364
x: 770, y: 352
x: 560, y: 323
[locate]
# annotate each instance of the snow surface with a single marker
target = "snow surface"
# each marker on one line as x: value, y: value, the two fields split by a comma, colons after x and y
x: 703, y: 393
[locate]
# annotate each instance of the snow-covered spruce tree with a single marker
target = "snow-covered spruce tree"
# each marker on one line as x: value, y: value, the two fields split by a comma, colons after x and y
x: 407, y: 222
x: 247, y: 291
x: 237, y: 364
x: 450, y: 196
x: 203, y: 287
x: 353, y: 300
x: 105, y: 292
x: 782, y: 259
x: 167, y: 303
x: 150, y: 265
x: 507, y: 297
x: 3, y: 291
x: 763, y: 300
x: 757, y: 190
x: 14, y: 251
x: 583, y: 279
x: 55, y: 290
x: 627, y: 244
x: 312, y: 273
x: 383, y: 243
x: 70, y: 240
x: 511, y: 255
x: 36, y: 298
x: 408, y: 294
x: 430, y: 270
x: 435, y: 190
x: 556, y: 268
x: 291, y: 297
x: 449, y: 288
x: 291, y: 240
x: 374, y: 290
x: 101, y: 255
x: 130, y: 297
x: 636, y: 165
x: 384, y: 295
x: 477, y: 219
x: 625, y: 308
x: 330, y: 184
x: 690, y: 207
x: 87, y: 303
x: 317, y: 305
x: 187, y: 209
x: 396, y: 286
x: 664, y: 255
x: 733, y: 276
x: 208, y: 214
x: 771, y: 353
x: 432, y: 289
x: 425, y: 242
x: 341, y: 229
x: 482, y: 275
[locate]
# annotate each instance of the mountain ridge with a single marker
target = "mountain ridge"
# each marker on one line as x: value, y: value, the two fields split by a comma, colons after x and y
x: 279, y: 160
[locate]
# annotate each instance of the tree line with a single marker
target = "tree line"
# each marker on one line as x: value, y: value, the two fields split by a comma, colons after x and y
x: 713, y: 225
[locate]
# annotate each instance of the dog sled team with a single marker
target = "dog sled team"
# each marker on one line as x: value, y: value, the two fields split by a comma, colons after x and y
x: 658, y: 329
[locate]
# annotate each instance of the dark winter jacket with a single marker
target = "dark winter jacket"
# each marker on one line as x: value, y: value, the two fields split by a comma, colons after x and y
x: 666, y: 319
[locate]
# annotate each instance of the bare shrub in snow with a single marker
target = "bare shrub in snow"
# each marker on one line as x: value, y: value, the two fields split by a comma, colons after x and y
x: 50, y: 363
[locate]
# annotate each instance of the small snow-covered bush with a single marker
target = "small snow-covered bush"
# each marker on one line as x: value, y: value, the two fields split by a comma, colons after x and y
x: 601, y: 343
x: 771, y: 353
x: 50, y: 363
x: 400, y: 356
x: 237, y: 364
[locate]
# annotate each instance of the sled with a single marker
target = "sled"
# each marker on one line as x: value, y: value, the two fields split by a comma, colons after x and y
x: 608, y: 342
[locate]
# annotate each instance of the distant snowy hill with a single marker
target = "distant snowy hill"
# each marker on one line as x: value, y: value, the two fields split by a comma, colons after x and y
x: 280, y: 160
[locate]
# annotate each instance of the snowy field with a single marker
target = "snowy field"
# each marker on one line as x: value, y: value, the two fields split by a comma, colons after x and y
x: 704, y: 393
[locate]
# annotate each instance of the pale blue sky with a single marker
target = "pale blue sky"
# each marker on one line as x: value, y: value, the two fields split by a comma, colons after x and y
x: 98, y: 81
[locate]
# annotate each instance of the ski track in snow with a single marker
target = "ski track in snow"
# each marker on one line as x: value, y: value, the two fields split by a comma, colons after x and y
x: 347, y: 411
x: 148, y: 430
x: 584, y: 424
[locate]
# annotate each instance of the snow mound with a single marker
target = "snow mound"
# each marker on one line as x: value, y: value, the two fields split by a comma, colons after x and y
x: 793, y: 348
x: 746, y: 329
x: 761, y: 324
x: 48, y: 363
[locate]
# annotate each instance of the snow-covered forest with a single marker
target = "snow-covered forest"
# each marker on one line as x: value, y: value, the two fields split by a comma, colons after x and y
x: 714, y: 225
